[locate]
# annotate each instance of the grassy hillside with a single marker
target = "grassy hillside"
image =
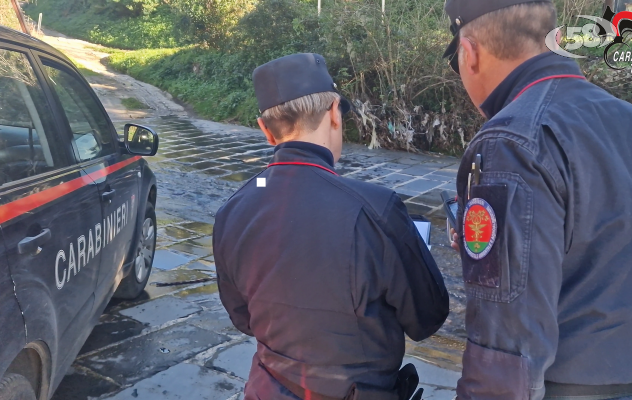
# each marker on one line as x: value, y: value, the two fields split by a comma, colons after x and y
x: 106, y: 26
x: 203, y: 52
x: 191, y: 75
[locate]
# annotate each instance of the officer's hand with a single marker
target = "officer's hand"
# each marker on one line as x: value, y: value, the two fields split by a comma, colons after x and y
x: 455, y: 240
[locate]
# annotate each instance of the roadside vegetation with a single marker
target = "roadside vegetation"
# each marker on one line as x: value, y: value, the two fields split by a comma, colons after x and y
x: 7, y: 16
x: 203, y: 52
x: 132, y: 103
x: 84, y: 71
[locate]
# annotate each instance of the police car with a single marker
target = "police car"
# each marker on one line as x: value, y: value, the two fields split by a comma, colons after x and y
x: 77, y: 220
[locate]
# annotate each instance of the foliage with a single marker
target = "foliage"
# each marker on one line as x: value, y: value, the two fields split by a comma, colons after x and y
x: 8, y: 16
x: 134, y: 7
x: 127, y: 24
x: 218, y: 82
x: 389, y: 64
x: 568, y: 10
x: 210, y: 21
x: 616, y: 82
x: 86, y: 72
x: 201, y: 77
x: 132, y: 103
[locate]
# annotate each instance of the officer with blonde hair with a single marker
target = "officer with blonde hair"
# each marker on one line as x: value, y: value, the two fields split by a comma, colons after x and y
x: 327, y: 273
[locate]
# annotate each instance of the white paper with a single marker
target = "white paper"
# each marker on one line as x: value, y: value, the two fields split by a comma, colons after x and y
x: 424, y: 231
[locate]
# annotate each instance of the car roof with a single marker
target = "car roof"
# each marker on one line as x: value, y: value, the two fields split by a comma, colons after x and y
x: 21, y: 39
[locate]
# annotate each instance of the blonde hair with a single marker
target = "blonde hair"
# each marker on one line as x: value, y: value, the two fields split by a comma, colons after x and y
x: 304, y: 113
x: 511, y: 32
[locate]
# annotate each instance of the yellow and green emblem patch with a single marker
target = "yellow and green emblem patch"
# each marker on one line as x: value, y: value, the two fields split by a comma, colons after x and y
x: 479, y: 228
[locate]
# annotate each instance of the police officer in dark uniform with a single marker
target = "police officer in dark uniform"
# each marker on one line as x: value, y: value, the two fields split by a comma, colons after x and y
x: 327, y: 273
x: 545, y: 214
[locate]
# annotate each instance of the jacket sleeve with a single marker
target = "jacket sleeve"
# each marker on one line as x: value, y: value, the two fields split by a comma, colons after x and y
x: 230, y: 296
x: 512, y: 277
x: 402, y: 270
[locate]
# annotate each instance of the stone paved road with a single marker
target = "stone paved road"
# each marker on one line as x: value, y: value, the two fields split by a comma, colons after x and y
x: 201, y: 163
x: 176, y: 342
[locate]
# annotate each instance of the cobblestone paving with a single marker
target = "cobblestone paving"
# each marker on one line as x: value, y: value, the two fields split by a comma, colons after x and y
x: 228, y: 155
x: 201, y: 163
x: 177, y: 342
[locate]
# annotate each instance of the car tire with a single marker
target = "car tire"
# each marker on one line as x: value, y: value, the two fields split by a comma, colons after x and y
x: 143, y: 257
x: 16, y: 387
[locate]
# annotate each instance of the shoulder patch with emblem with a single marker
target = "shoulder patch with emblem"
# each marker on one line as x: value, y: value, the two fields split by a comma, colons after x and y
x: 479, y: 228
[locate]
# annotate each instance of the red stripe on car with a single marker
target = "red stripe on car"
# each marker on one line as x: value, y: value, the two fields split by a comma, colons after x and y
x: 29, y: 203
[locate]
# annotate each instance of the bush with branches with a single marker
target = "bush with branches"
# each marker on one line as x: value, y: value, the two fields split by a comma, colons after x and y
x: 388, y: 63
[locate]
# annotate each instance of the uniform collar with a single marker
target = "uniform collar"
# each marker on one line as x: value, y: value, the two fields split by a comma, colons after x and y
x: 303, y: 151
x: 540, y: 66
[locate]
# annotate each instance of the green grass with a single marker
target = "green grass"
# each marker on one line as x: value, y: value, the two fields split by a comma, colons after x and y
x: 86, y: 72
x: 101, y: 49
x: 136, y: 61
x: 132, y: 103
x: 213, y: 73
x: 101, y: 26
x: 213, y: 83
x: 160, y: 56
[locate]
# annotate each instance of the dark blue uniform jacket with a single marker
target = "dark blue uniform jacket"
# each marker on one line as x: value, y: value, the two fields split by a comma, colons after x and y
x: 327, y: 273
x: 552, y: 301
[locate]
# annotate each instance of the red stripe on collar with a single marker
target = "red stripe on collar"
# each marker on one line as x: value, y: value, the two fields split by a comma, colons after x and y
x: 304, y: 164
x: 546, y: 79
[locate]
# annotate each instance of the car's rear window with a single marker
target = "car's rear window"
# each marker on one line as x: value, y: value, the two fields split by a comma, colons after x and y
x: 91, y: 132
x: 26, y: 126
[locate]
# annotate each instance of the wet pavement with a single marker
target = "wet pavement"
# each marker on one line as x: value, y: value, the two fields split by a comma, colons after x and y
x: 176, y: 341
x: 190, y: 189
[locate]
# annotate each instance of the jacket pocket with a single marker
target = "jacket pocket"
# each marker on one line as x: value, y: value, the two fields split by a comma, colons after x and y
x: 493, y: 375
x: 496, y: 227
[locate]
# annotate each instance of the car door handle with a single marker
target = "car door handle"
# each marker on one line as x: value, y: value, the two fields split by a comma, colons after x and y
x: 32, y: 244
x: 108, y: 196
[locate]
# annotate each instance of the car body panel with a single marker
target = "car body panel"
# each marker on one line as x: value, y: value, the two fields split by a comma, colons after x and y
x: 13, y: 340
x: 55, y: 287
x: 121, y: 179
x: 121, y: 214
x: 147, y: 182
x: 43, y: 298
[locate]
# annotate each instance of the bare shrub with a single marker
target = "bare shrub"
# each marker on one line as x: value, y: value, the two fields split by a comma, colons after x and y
x: 406, y: 94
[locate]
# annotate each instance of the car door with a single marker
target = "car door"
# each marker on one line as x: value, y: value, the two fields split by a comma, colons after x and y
x: 50, y: 213
x: 13, y: 334
x: 96, y: 148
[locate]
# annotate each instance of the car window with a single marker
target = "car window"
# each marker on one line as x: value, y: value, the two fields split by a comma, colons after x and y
x: 92, y: 137
x: 26, y: 123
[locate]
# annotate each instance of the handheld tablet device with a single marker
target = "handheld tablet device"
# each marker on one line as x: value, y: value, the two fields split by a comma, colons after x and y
x: 423, y: 227
x: 450, y: 206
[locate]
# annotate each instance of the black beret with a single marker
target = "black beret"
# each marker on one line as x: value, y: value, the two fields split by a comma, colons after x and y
x: 461, y: 12
x: 290, y: 77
